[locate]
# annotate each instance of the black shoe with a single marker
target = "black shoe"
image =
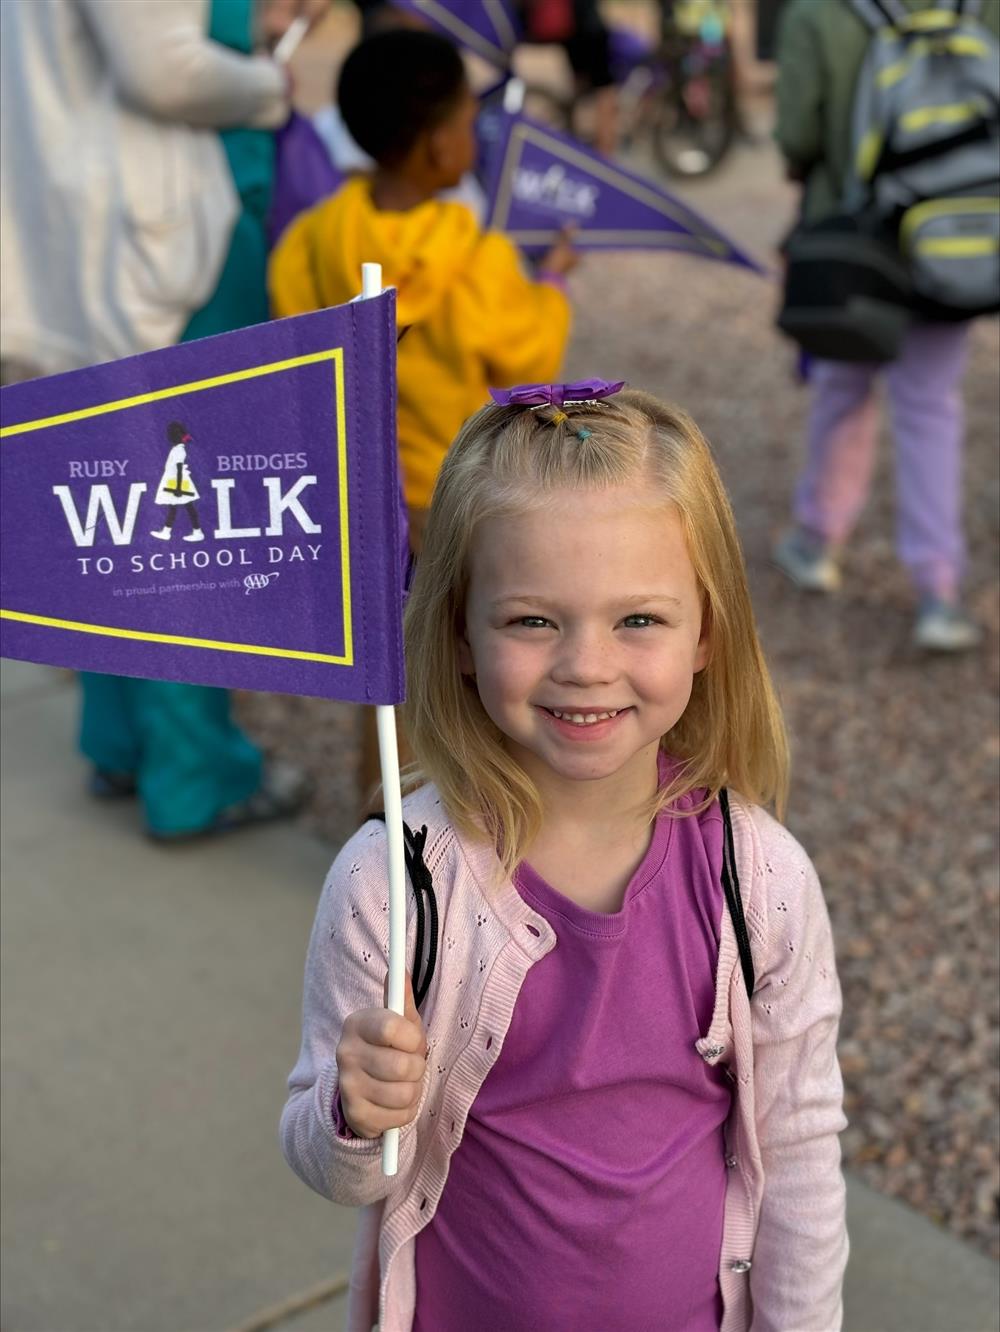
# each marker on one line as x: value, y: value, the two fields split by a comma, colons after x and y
x: 108, y: 785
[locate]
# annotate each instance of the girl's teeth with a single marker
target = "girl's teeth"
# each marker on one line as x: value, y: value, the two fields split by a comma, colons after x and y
x: 584, y: 718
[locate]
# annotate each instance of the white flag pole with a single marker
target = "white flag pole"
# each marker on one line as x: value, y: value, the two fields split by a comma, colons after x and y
x: 513, y: 96
x: 385, y: 719
x: 289, y: 43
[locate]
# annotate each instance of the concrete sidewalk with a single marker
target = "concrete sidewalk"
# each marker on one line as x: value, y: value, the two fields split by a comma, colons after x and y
x: 150, y: 1017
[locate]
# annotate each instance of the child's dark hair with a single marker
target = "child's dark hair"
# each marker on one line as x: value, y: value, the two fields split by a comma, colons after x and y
x: 176, y: 432
x: 395, y: 86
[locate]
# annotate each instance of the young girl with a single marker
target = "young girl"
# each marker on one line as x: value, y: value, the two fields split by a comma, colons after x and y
x: 601, y: 1130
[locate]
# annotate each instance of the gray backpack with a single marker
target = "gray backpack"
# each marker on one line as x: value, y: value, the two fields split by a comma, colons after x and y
x: 926, y: 149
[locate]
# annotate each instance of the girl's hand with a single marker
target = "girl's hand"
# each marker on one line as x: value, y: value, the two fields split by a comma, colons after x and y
x: 381, y: 1059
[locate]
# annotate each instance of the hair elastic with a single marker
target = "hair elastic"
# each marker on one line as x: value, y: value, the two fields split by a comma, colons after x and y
x: 559, y: 416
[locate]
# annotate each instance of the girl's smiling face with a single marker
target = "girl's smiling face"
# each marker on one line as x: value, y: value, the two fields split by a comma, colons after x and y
x: 584, y: 632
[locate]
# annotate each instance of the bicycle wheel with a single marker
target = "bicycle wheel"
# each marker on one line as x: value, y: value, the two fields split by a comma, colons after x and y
x: 697, y: 118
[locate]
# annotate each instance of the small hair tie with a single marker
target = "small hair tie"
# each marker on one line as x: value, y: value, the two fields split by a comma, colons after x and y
x: 584, y: 433
x: 556, y: 417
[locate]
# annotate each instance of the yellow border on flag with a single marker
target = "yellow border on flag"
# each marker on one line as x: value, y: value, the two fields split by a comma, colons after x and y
x: 524, y: 132
x: 334, y: 354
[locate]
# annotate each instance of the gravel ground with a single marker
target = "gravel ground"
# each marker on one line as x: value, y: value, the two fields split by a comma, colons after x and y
x: 895, y: 791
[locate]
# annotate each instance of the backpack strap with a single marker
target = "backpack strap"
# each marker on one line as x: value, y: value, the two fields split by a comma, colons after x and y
x: 877, y: 14
x: 731, y: 888
x: 422, y: 881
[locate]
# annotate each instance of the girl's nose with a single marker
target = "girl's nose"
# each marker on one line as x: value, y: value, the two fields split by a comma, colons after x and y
x: 584, y: 659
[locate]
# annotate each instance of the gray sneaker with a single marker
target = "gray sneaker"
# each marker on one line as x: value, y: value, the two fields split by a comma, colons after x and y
x: 807, y: 561
x: 944, y: 627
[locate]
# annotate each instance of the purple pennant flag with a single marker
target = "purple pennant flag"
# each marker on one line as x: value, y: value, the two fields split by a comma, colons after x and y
x: 304, y: 173
x: 490, y: 28
x: 223, y: 512
x: 542, y: 181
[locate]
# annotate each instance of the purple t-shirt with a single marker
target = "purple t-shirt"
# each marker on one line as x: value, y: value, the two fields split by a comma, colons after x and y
x: 588, y: 1189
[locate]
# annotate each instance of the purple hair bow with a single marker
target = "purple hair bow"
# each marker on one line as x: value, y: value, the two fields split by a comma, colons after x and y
x: 555, y: 395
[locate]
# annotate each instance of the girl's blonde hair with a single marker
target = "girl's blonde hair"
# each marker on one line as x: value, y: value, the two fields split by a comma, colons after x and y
x: 508, y: 459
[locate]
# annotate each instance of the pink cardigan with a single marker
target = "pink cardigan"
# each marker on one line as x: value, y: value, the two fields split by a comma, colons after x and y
x: 784, y: 1243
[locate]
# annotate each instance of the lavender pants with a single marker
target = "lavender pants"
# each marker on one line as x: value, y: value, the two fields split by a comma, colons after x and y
x: 924, y: 386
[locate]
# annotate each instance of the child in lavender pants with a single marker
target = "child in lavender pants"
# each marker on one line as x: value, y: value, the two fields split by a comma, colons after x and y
x: 924, y: 390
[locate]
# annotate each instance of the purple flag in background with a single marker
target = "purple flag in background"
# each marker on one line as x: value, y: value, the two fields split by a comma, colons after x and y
x: 303, y: 173
x: 541, y: 181
x: 490, y: 28
x: 223, y: 512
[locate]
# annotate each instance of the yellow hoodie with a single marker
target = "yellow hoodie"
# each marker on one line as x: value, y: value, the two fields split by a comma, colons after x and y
x: 472, y: 317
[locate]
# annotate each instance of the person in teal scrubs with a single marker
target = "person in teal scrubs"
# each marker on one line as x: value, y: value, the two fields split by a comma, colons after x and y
x: 177, y: 745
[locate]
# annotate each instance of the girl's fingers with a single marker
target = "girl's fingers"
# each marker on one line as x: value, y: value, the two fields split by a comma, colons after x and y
x: 395, y: 1096
x: 377, y: 1121
x: 386, y: 1030
x: 392, y: 1095
x: 409, y: 1006
x: 385, y: 1065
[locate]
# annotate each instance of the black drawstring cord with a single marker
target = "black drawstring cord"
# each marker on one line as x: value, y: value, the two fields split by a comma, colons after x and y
x: 731, y: 888
x: 420, y: 877
x: 422, y: 881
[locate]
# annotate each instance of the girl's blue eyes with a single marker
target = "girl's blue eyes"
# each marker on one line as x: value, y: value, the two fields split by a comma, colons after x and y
x: 629, y: 622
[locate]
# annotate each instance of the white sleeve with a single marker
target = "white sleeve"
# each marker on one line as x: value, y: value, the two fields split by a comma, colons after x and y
x: 163, y: 64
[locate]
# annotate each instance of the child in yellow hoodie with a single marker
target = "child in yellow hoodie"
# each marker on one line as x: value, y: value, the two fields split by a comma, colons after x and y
x: 471, y: 316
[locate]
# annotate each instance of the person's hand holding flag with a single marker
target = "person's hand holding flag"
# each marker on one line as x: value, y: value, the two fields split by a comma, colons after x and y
x: 381, y: 1058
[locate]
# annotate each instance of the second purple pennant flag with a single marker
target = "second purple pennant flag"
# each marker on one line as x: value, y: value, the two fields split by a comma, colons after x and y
x: 541, y: 181
x: 490, y: 28
x: 223, y: 512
